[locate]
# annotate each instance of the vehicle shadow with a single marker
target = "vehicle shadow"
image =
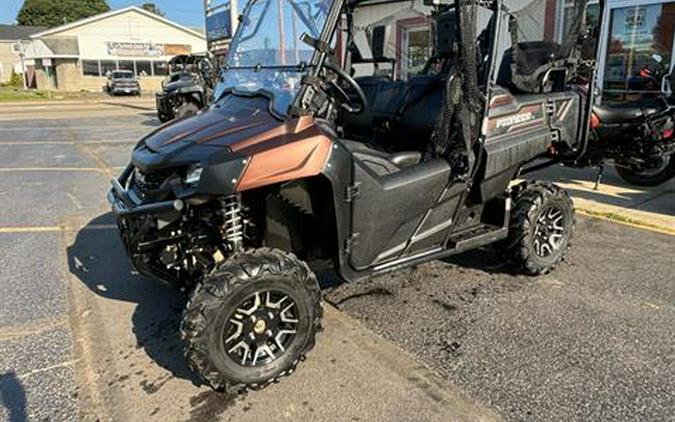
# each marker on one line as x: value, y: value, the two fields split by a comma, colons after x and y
x: 151, y: 119
x: 97, y: 258
x: 488, y: 259
x: 13, y: 397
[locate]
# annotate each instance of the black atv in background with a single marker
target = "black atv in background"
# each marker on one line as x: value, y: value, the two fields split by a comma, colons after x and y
x: 188, y: 87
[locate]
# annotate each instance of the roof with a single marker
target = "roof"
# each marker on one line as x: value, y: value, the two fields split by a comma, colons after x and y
x: 18, y: 32
x: 62, y: 46
x: 111, y: 13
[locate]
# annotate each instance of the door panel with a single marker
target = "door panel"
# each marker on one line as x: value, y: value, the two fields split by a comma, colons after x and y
x: 388, y: 209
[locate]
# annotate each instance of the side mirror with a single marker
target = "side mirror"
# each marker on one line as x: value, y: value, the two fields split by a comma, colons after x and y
x: 377, y: 42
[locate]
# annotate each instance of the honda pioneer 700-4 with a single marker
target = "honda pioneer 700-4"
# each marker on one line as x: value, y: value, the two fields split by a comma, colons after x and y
x: 331, y: 141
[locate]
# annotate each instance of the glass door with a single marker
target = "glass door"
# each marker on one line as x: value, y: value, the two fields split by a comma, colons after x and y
x: 636, y: 33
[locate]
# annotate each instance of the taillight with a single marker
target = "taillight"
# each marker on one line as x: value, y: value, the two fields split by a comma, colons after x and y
x: 668, y: 133
x: 595, y: 121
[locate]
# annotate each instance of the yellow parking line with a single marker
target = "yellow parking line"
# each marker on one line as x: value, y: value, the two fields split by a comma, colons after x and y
x: 105, y: 142
x: 36, y: 229
x: 53, y: 229
x: 627, y: 222
x: 27, y: 169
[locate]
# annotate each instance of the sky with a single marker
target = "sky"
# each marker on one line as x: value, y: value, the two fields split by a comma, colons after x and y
x: 185, y: 12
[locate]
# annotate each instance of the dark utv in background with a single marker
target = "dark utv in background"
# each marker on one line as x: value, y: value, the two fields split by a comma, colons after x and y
x: 187, y: 89
x: 122, y: 82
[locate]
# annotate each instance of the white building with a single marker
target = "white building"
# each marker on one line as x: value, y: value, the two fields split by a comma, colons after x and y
x: 78, y: 55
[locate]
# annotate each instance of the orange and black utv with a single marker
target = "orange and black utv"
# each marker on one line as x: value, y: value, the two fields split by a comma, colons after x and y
x: 375, y: 135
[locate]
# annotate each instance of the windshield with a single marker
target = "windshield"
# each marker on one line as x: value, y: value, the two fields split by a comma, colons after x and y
x: 267, y: 54
x: 122, y: 75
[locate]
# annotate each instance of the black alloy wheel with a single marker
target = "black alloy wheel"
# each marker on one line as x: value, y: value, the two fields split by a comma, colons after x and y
x: 549, y: 233
x: 541, y: 227
x: 252, y: 320
x: 261, y: 328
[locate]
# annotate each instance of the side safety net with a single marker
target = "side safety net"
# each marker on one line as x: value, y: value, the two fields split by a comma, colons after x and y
x: 544, y: 36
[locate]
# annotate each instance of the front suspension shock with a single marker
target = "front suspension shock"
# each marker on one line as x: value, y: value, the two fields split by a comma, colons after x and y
x: 233, y: 224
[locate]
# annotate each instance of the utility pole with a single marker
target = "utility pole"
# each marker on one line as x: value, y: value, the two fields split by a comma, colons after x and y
x: 206, y: 13
x: 19, y: 47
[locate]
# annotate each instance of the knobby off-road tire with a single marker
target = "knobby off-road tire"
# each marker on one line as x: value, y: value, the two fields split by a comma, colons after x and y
x: 222, y: 298
x: 541, y: 227
x: 649, y: 177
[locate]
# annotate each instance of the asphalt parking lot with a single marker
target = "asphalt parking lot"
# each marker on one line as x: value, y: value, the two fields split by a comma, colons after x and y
x: 83, y: 336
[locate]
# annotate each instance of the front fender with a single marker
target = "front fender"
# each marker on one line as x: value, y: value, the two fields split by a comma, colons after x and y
x: 296, y: 150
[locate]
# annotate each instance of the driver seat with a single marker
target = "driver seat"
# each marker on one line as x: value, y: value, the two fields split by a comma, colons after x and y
x: 381, y: 162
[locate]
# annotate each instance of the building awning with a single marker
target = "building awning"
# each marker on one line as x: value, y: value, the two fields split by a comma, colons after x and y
x: 55, y: 48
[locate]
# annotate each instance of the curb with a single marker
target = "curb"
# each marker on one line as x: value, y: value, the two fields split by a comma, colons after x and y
x: 617, y: 218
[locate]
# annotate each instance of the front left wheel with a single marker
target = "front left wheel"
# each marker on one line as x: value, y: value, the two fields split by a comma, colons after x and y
x: 252, y: 320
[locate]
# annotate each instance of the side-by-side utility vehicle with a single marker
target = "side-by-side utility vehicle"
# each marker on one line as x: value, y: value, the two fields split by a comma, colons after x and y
x: 341, y: 133
x: 188, y: 87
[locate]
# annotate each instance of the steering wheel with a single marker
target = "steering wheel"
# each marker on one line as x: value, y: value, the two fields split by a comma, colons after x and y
x: 348, y: 101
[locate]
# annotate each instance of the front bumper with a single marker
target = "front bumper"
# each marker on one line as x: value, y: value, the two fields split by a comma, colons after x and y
x: 164, y: 105
x: 124, y: 206
x: 126, y: 90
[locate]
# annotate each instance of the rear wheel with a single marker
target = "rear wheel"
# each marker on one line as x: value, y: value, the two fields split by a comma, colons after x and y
x: 657, y: 171
x: 541, y: 228
x: 252, y: 320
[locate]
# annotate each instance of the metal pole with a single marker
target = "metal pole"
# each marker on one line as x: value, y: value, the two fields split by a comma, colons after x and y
x: 282, y: 33
x: 23, y: 65
x: 206, y: 13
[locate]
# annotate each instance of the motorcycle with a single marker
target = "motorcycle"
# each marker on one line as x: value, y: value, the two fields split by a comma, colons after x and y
x: 638, y: 136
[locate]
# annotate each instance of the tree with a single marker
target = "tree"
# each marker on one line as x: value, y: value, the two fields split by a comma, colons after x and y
x: 52, y: 13
x: 152, y: 8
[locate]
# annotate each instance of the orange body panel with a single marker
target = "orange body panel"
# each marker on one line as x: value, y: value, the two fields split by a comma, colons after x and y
x: 296, y: 150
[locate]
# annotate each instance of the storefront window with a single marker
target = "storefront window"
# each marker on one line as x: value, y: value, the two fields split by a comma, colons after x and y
x: 636, y: 35
x: 90, y: 68
x: 161, y: 68
x: 143, y: 68
x: 417, y: 49
x: 108, y: 66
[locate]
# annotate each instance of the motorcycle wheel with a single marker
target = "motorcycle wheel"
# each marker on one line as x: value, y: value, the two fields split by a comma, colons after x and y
x: 252, y: 320
x: 661, y: 171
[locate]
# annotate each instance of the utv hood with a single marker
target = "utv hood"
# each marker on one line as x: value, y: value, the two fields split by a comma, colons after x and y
x: 236, y: 126
x: 184, y: 82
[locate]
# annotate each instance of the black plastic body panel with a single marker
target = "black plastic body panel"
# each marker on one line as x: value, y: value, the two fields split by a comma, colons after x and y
x: 389, y: 209
x: 523, y: 128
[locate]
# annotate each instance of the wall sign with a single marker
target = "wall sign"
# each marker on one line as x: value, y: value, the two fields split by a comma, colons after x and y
x: 133, y: 49
x: 219, y: 24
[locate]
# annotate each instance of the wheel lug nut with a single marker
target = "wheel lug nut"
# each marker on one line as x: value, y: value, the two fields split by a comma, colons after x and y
x: 271, y: 315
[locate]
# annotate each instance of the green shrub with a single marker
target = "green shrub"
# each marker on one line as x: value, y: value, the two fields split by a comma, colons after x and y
x: 15, y: 81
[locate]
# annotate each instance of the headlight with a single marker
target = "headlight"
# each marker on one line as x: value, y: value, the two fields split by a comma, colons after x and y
x: 194, y: 173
